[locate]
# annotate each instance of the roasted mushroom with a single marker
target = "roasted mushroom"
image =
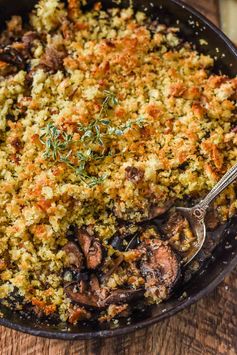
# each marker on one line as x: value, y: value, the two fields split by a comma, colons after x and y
x: 73, y: 255
x: 91, y: 248
x: 86, y: 299
x: 134, y: 174
x: 12, y: 56
x: 29, y: 37
x: 117, y: 242
x: 175, y: 224
x: 52, y: 60
x: 122, y: 296
x: 160, y: 268
x: 92, y: 295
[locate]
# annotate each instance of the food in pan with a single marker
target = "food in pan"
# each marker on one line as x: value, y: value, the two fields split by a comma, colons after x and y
x: 107, y: 120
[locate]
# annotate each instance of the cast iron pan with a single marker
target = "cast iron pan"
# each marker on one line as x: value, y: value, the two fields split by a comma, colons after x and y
x: 224, y: 256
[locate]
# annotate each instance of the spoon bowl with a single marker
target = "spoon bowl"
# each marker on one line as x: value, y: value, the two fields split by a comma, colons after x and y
x: 198, y: 226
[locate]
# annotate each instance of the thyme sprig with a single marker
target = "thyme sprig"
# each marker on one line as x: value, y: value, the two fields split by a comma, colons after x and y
x: 55, y: 141
x: 80, y: 169
x: 93, y: 131
x: 140, y: 121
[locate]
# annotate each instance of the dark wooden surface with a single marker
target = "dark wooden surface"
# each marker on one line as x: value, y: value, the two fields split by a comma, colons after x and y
x: 208, y: 327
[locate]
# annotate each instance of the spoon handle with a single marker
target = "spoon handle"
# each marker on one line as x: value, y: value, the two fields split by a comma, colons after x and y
x: 224, y: 182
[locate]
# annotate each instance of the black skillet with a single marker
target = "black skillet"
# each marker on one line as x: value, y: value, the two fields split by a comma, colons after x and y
x: 224, y: 257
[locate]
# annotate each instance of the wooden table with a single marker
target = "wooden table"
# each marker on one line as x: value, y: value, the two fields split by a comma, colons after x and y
x: 208, y: 327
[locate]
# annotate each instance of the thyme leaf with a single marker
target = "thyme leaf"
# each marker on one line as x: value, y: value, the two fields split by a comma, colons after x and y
x: 110, y: 101
x: 128, y: 125
x: 55, y: 141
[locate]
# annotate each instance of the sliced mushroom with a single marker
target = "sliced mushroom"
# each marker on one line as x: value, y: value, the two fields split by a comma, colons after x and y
x: 52, y: 60
x: 28, y: 39
x: 73, y: 255
x: 91, y: 248
x: 95, y: 285
x: 134, y: 174
x: 85, y: 240
x: 160, y: 268
x: 122, y: 296
x: 95, y: 296
x: 12, y: 56
x: 94, y: 257
x: 117, y: 242
x: 174, y: 225
x: 86, y: 299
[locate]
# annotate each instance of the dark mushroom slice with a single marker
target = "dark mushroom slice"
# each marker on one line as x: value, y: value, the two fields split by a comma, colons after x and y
x: 125, y: 242
x: 76, y: 274
x: 173, y: 225
x: 134, y: 174
x: 122, y: 296
x: 85, y: 240
x: 94, y: 256
x: 160, y: 268
x: 52, y: 60
x: 92, y: 295
x: 28, y: 39
x: 85, y: 298
x: 12, y: 56
x: 91, y: 248
x: 73, y: 255
x: 133, y: 241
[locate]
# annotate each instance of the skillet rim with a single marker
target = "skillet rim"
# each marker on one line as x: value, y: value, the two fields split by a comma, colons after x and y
x: 61, y: 335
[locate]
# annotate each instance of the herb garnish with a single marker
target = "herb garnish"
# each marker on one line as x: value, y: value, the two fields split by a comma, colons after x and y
x: 57, y: 142
x: 109, y: 102
x: 80, y: 169
x: 124, y: 128
x: 93, y: 131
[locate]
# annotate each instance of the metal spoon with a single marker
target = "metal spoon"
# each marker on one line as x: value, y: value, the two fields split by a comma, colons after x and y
x: 196, y: 214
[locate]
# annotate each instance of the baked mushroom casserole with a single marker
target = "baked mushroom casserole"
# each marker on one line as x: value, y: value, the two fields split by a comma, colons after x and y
x: 107, y: 120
